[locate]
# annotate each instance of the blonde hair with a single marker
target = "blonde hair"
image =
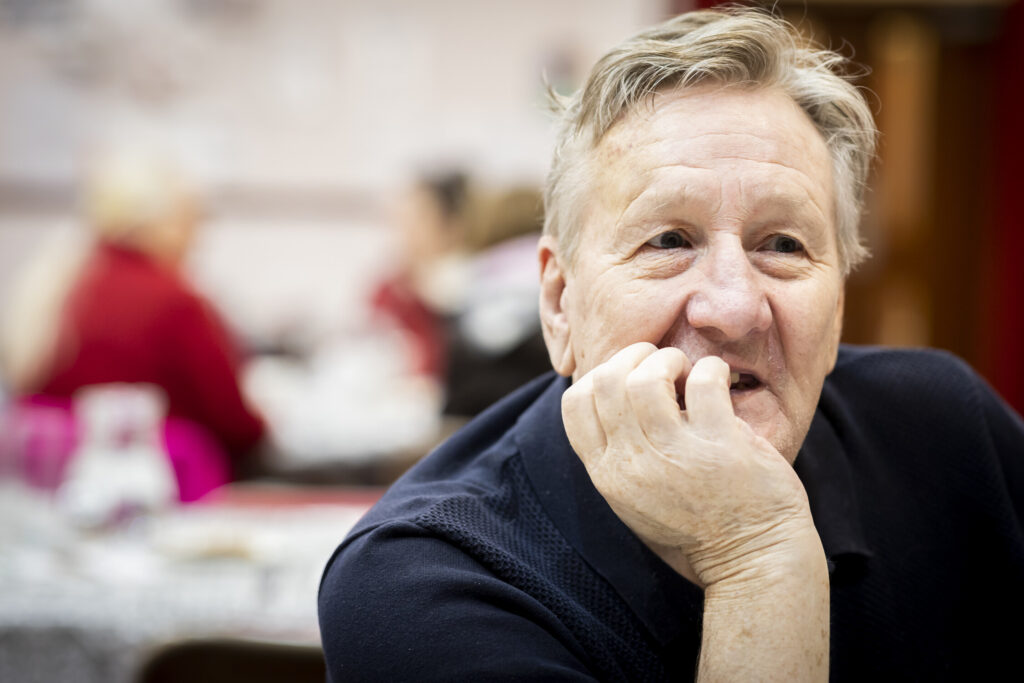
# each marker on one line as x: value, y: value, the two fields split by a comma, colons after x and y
x: 733, y: 46
x: 131, y: 197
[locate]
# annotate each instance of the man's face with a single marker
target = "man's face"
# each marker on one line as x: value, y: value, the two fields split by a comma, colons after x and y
x: 710, y: 227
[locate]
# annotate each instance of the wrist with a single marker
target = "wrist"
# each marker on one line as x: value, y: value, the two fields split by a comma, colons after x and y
x: 773, y: 610
x: 783, y: 550
x: 795, y: 552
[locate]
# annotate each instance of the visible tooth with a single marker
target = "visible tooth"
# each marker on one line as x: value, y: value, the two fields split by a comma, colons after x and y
x: 733, y: 378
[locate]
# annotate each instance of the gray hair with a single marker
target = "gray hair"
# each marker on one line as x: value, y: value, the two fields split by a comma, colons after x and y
x: 734, y: 46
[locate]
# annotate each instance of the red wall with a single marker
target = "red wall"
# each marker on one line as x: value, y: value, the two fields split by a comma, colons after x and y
x: 1006, y: 328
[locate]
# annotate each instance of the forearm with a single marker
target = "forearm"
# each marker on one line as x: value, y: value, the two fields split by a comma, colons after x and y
x: 770, y: 621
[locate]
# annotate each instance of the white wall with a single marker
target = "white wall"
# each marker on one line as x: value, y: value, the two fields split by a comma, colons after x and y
x: 308, y: 93
x: 327, y: 97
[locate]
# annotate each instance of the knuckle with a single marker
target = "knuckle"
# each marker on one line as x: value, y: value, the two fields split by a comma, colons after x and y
x: 701, y: 380
x: 712, y: 364
x: 646, y: 347
x: 604, y: 377
x: 574, y: 401
x: 671, y: 351
x: 708, y: 372
x: 642, y: 380
x: 575, y: 391
x: 632, y: 354
x: 639, y: 347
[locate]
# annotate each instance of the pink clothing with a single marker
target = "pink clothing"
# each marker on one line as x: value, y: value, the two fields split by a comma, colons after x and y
x: 38, y: 436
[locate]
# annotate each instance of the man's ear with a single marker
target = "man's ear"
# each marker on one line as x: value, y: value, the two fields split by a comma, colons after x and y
x: 554, y: 318
x: 837, y: 326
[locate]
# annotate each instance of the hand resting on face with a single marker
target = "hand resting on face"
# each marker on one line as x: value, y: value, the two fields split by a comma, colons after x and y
x: 698, y: 486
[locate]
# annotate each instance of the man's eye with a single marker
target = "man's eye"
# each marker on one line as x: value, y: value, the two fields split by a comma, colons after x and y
x: 783, y: 244
x: 669, y: 240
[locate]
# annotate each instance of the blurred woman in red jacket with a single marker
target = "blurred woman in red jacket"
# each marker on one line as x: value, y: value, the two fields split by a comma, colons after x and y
x: 130, y: 316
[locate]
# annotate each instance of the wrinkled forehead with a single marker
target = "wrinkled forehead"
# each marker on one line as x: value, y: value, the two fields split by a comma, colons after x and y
x: 716, y: 121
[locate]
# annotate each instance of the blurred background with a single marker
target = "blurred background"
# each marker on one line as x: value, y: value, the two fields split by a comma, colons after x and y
x: 325, y: 212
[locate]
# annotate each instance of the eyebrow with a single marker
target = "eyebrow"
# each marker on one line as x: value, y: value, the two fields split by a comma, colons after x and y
x: 658, y: 205
x: 788, y: 200
x: 647, y: 207
x: 652, y: 200
x: 803, y: 209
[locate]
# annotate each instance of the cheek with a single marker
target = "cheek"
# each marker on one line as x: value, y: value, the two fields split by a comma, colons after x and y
x: 614, y: 312
x: 806, y: 323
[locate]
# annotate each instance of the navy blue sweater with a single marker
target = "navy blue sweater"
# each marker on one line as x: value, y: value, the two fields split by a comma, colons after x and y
x: 496, y: 559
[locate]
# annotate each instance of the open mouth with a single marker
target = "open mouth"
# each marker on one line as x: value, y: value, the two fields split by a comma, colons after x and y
x: 739, y: 383
x: 743, y: 381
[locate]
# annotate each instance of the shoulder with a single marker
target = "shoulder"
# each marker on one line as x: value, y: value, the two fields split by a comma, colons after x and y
x: 882, y: 365
x: 131, y: 267
x: 472, y: 463
x: 927, y: 383
x: 461, y: 492
x: 403, y: 604
x: 425, y: 585
x: 919, y: 401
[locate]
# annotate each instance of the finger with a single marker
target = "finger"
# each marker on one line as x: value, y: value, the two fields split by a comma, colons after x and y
x: 708, y: 404
x: 652, y: 394
x: 613, y: 406
x: 582, y: 426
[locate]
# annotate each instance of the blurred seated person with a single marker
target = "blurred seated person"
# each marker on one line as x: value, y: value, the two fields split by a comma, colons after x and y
x: 428, y: 282
x: 495, y: 340
x: 129, y: 316
x: 465, y: 294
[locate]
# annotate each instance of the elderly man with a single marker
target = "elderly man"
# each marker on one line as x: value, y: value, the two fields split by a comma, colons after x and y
x: 723, y: 491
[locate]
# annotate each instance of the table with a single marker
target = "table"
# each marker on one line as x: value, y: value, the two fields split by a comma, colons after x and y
x: 94, y: 606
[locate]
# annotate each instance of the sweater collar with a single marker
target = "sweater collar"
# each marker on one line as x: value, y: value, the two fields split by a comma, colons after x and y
x: 824, y: 468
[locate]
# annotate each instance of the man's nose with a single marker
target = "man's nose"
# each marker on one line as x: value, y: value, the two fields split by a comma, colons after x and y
x: 729, y: 299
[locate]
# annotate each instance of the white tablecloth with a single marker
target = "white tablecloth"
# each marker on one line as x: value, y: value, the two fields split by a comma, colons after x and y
x: 84, y: 607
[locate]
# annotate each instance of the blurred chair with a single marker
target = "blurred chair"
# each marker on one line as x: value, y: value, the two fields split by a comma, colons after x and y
x: 227, y: 660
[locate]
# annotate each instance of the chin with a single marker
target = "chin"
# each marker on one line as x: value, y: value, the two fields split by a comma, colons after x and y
x: 773, y: 426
